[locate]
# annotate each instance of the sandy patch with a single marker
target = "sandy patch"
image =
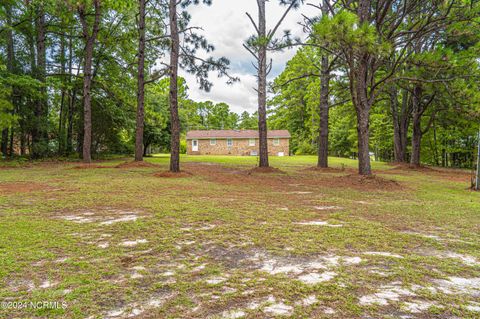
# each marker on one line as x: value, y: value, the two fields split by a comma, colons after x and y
x: 459, y: 285
x: 474, y: 307
x: 279, y: 309
x: 215, y: 280
x: 127, y: 218
x: 137, y: 308
x: 107, y: 216
x: 316, y: 278
x: 233, y: 314
x: 417, y: 306
x: 47, y: 284
x: 133, y: 243
x: 386, y: 294
x: 462, y: 258
x: 308, y: 301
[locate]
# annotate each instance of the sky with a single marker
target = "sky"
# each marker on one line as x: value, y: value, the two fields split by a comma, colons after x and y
x: 226, y: 26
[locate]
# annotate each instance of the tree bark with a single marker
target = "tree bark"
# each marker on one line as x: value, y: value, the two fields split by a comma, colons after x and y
x: 61, y: 122
x: 174, y: 118
x: 363, y: 123
x: 39, y: 132
x: 262, y: 86
x: 87, y: 76
x: 141, y: 84
x: 324, y: 105
x: 10, y: 68
x: 4, y: 146
x: 417, y: 128
x: 324, y: 114
x: 401, y: 120
x: 362, y: 104
x: 71, y: 101
x: 360, y: 75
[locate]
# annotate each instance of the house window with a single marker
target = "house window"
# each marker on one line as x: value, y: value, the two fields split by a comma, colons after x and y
x: 276, y: 141
x: 251, y: 142
x: 229, y: 142
x: 213, y: 141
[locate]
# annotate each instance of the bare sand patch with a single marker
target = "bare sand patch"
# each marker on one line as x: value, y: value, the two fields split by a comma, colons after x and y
x: 459, y: 285
x: 138, y: 308
x: 103, y: 216
x: 418, y: 306
x: 133, y: 243
x: 279, y: 309
x: 233, y: 314
x: 316, y: 278
x: 386, y: 294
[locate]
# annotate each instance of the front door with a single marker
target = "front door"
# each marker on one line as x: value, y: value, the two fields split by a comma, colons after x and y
x: 194, y: 145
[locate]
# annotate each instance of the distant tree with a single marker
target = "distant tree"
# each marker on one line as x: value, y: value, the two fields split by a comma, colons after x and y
x: 90, y: 31
x: 247, y: 121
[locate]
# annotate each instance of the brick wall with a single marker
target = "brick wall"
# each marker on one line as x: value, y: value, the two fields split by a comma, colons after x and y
x: 240, y: 147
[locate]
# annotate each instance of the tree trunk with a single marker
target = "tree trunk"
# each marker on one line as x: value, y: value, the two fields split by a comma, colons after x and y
x: 141, y: 84
x: 262, y: 86
x: 363, y: 123
x: 145, y: 149
x: 4, y: 146
x: 10, y: 57
x: 87, y: 77
x: 360, y: 75
x: 61, y: 122
x: 11, y: 149
x: 39, y: 132
x: 69, y: 113
x: 174, y: 118
x: 362, y: 104
x: 324, y: 105
x: 417, y: 128
x: 397, y: 139
x: 404, y: 122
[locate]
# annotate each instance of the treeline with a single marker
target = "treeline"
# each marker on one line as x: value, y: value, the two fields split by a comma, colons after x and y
x: 84, y: 77
x: 396, y: 79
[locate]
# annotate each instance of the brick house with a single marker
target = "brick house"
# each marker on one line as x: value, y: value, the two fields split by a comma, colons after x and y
x: 236, y: 142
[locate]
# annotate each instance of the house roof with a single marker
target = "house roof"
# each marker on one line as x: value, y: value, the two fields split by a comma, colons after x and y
x: 235, y: 134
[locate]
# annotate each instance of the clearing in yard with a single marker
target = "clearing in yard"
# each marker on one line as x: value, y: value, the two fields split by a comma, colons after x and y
x: 114, y: 240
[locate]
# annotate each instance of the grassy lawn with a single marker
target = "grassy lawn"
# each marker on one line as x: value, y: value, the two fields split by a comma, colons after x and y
x: 223, y: 242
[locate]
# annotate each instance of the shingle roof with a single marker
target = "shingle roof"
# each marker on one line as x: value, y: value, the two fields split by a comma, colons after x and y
x: 235, y: 134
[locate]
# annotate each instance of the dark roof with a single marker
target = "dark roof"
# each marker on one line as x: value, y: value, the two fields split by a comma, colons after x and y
x: 235, y: 134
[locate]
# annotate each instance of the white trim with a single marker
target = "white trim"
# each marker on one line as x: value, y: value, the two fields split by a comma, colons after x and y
x: 251, y: 142
x: 213, y: 141
x: 229, y: 142
x: 276, y: 141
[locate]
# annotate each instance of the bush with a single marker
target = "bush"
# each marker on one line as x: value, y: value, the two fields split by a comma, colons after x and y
x: 305, y: 148
x: 183, y: 146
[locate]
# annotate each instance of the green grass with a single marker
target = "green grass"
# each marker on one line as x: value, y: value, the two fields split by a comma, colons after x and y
x: 222, y: 222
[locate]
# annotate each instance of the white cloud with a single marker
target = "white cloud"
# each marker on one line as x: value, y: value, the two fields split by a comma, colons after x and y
x: 226, y: 26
